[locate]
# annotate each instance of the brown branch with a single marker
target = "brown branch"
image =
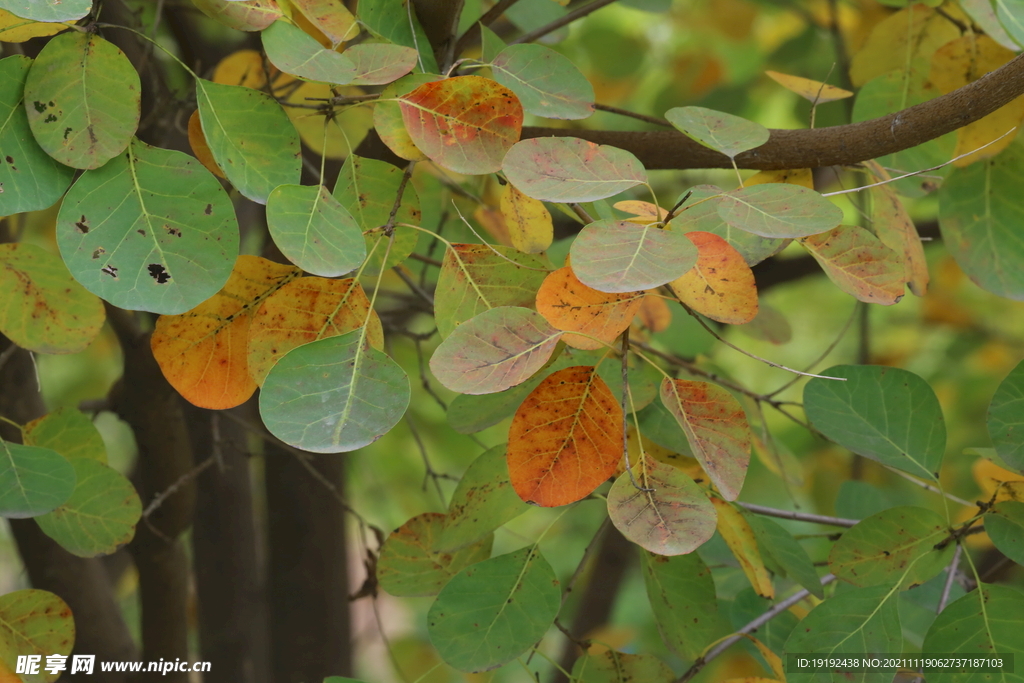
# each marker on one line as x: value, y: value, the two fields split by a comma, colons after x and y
x: 472, y: 34
x: 565, y: 20
x: 831, y: 146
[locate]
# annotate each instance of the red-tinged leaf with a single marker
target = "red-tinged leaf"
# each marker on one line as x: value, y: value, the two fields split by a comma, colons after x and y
x: 859, y: 264
x: 249, y: 15
x: 565, y: 439
x: 330, y: 17
x: 716, y: 428
x: 571, y: 170
x: 619, y: 256
x: 673, y: 517
x: 387, y: 116
x: 465, y: 124
x: 892, y: 224
x: 741, y: 541
x: 380, y: 63
x: 202, y: 352
x: 570, y: 305
x: 497, y: 349
x: 721, y: 285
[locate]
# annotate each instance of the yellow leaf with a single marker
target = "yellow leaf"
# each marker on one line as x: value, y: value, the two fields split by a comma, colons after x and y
x: 329, y: 21
x: 815, y: 91
x: 654, y: 313
x: 774, y: 661
x: 740, y: 538
x: 893, y: 226
x: 917, y: 27
x: 644, y: 213
x: 243, y: 67
x: 202, y: 352
x: 14, y: 29
x: 963, y: 61
x: 791, y: 176
x: 355, y: 121
x: 494, y: 223
x: 721, y: 285
x: 528, y: 221
x: 994, y: 480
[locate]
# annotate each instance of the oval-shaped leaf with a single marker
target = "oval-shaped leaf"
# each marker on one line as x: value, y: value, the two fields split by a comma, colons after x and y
x: 295, y: 52
x: 465, y: 124
x: 48, y: 10
x: 202, y: 352
x: 723, y: 132
x: 720, y: 285
x: 334, y: 395
x: 787, y: 552
x: 887, y: 414
x: 529, y: 224
x: 241, y: 15
x: 671, y: 517
x: 546, y: 82
x: 682, y: 596
x: 859, y: 264
x: 44, y: 309
x: 409, y: 565
x: 619, y: 256
x: 497, y: 349
x: 30, y: 179
x: 618, y: 667
x: 100, y: 515
x: 898, y: 545
x: 779, y: 210
x: 33, y: 480
x: 34, y: 622
x: 82, y: 96
x: 570, y: 169
x: 570, y: 305
x: 565, y: 439
x: 494, y: 611
x: 387, y: 116
x: 813, y: 91
x: 380, y: 63
x: 1006, y: 419
x: 483, y: 501
x: 703, y: 216
x: 152, y: 231
x: 314, y: 231
x: 69, y: 432
x: 1005, y: 526
x: 303, y: 311
x: 716, y: 427
x: 14, y: 29
x: 477, y: 277
x: 250, y: 137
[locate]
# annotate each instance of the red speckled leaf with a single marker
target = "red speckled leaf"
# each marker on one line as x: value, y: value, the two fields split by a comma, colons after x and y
x: 716, y: 427
x: 571, y: 169
x: 859, y: 264
x: 33, y: 622
x: 465, y: 124
x: 565, y: 439
x: 721, y: 285
x: 250, y: 15
x: 892, y: 224
x: 330, y: 17
x: 570, y: 305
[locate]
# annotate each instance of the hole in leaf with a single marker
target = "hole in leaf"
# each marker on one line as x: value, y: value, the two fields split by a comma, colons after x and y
x: 172, y: 231
x: 159, y: 273
x: 82, y: 225
x: 110, y: 270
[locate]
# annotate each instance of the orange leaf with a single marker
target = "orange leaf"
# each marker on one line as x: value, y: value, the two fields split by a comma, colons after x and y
x: 202, y: 352
x: 859, y: 264
x: 892, y: 224
x: 330, y: 18
x: 570, y: 305
x: 643, y: 212
x: 465, y: 124
x: 741, y: 541
x: 304, y: 311
x: 814, y: 91
x: 721, y: 285
x: 244, y: 67
x: 528, y: 221
x: 565, y: 439
x: 197, y: 140
x: 654, y: 313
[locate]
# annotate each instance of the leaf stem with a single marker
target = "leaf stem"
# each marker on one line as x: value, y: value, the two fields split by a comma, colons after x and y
x: 632, y: 114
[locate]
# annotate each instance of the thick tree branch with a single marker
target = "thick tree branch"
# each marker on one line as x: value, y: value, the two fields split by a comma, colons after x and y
x: 832, y: 146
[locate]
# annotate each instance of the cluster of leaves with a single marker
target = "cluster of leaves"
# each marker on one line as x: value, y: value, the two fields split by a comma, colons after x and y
x: 571, y: 353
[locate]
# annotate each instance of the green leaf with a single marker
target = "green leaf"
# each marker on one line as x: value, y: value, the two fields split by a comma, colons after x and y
x: 51, y: 312
x: 295, y: 52
x: 409, y: 565
x: 494, y: 611
x: 674, y: 517
x: 1005, y: 526
x: 658, y: 424
x: 618, y: 256
x: 68, y: 431
x: 696, y: 215
x: 863, y: 620
x: 152, y: 230
x: 898, y: 545
x: 396, y: 23
x: 491, y: 44
x: 33, y: 480
x: 48, y: 10
x: 314, y: 231
x: 1006, y: 419
x: 368, y: 188
x: 495, y: 350
x: 618, y: 667
x: 30, y: 179
x: 887, y: 414
x: 241, y: 15
x: 82, y: 96
x: 34, y: 622
x: 723, y: 132
x: 1011, y: 17
x: 779, y: 544
x: 571, y: 169
x: 682, y: 596
x: 250, y: 137
x: 100, y: 515
x: 380, y: 63
x: 546, y: 82
x: 779, y: 210
x: 334, y: 395
x: 478, y: 277
x: 387, y: 116
x: 483, y: 501
x: 983, y: 623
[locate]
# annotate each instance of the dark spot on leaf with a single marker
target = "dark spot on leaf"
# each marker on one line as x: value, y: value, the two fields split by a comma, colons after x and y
x: 82, y: 225
x: 110, y: 270
x: 208, y: 210
x: 67, y: 132
x: 159, y: 273
x: 50, y: 119
x: 141, y: 232
x: 172, y: 231
x: 40, y: 106
x: 10, y: 159
x: 100, y: 251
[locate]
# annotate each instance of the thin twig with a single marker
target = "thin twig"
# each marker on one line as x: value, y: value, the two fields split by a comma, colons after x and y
x: 928, y: 487
x: 453, y: 33
x: 429, y: 472
x: 416, y: 289
x: 162, y: 497
x: 572, y: 16
x: 633, y: 115
x: 406, y: 175
x: 591, y: 547
x: 425, y: 259
x: 582, y: 213
x: 799, y: 516
x: 953, y: 565
x: 488, y: 18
